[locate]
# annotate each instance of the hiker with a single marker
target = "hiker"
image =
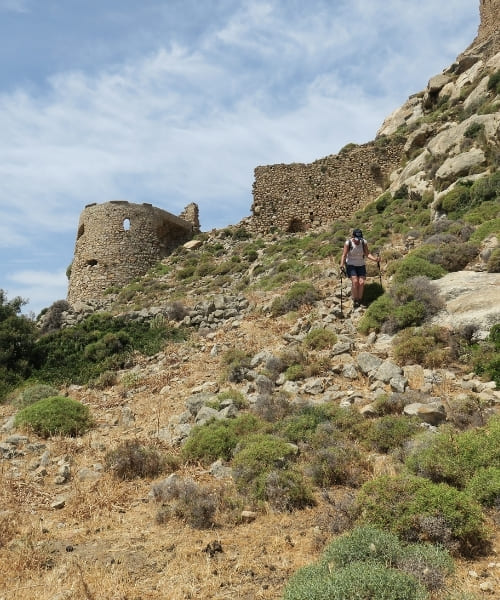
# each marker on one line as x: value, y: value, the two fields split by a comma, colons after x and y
x: 353, y: 263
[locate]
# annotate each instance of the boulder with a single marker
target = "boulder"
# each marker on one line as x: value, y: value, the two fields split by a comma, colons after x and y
x: 432, y: 413
x: 471, y: 298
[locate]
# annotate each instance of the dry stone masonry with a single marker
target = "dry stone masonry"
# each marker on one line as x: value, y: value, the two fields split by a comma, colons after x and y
x: 119, y: 241
x: 296, y: 197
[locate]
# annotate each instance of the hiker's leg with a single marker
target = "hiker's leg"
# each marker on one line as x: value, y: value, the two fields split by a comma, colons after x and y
x: 355, y: 293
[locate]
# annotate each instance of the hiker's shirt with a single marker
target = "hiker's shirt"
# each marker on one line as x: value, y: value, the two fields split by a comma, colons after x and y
x: 356, y: 254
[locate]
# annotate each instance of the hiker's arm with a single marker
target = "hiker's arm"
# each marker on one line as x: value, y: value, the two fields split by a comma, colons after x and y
x: 368, y: 254
x: 344, y: 255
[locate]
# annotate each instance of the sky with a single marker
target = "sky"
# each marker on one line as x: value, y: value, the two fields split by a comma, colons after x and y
x: 177, y: 101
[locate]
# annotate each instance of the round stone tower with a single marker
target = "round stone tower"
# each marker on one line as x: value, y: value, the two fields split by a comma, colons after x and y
x: 119, y: 241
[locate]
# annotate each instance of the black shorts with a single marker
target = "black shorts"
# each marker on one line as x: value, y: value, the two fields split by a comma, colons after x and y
x: 351, y: 271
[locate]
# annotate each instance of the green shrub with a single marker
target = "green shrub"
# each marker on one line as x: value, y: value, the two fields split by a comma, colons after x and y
x: 474, y: 130
x: 376, y: 314
x: 286, y: 490
x: 391, y: 432
x: 494, y: 82
x: 454, y: 458
x: 363, y: 581
x: 218, y: 439
x: 295, y: 372
x: 35, y: 392
x: 18, y: 350
x: 413, y: 266
x: 131, y: 460
x: 484, y: 486
x: 485, y: 189
x: 298, y: 295
x: 370, y: 544
x: 426, y: 346
x: 235, y: 362
x: 56, y: 415
x: 369, y: 563
x: 383, y: 201
x: 418, y: 509
x: 406, y: 304
x: 338, y: 464
x: 256, y: 457
x: 372, y: 291
x: 319, y: 339
x: 486, y: 358
x: 301, y: 427
x: 99, y: 343
x: 456, y: 201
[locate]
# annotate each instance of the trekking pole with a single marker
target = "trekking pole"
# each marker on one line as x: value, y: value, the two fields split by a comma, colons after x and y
x: 342, y: 272
x: 379, y: 273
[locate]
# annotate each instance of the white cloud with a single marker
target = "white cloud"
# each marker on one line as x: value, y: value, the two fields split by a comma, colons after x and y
x: 37, y: 286
x: 270, y: 82
x: 17, y: 6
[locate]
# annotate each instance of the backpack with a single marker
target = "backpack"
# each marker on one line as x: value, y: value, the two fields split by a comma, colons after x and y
x: 351, y: 246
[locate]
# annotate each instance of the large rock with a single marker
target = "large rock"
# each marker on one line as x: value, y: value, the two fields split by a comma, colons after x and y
x: 461, y: 164
x: 470, y: 299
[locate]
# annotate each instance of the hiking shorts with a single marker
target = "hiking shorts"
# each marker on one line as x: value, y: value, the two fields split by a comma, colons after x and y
x: 353, y: 271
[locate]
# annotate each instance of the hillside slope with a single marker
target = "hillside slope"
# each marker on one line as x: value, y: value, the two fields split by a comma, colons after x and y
x: 263, y: 352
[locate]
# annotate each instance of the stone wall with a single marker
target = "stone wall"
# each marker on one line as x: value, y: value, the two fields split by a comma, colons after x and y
x: 296, y: 197
x: 119, y: 241
x: 490, y: 18
x: 487, y: 41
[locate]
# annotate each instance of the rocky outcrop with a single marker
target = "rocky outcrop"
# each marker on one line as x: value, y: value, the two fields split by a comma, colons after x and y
x: 470, y: 299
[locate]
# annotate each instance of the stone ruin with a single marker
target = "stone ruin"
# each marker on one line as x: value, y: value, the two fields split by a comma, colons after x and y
x: 297, y: 197
x: 118, y: 242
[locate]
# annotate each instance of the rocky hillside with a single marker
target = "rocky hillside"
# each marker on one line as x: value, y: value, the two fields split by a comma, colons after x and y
x: 224, y: 421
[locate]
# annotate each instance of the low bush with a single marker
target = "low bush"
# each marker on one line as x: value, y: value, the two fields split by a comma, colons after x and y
x: 484, y: 486
x: 301, y: 426
x: 235, y: 362
x: 456, y: 201
x: 273, y: 407
x: 185, y: 499
x: 417, y: 509
x: 426, y: 346
x: 390, y: 432
x: 372, y: 291
x: 131, y: 460
x: 56, y: 415
x: 414, y: 266
x: 428, y: 563
x: 218, y: 439
x: 319, y: 339
x: 406, y: 304
x: 99, y: 343
x: 371, y: 564
x: 486, y: 356
x: 256, y: 456
x: 340, y: 463
x: 286, y: 490
x: 35, y: 392
x: 454, y: 458
x: 298, y: 295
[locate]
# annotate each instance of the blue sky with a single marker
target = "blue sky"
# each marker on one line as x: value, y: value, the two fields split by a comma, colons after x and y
x: 177, y: 101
